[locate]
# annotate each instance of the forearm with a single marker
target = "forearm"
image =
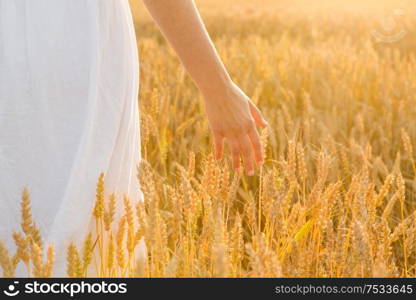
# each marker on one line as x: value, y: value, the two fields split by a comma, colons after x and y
x: 182, y: 26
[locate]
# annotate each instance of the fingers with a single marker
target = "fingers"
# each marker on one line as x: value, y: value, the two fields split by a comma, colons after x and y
x: 243, y: 142
x: 244, y: 147
x: 258, y: 118
x: 255, y: 141
x: 247, y: 152
x: 235, y: 152
x: 219, y: 145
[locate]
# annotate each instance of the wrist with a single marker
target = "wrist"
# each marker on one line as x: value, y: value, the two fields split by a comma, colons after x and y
x: 216, y: 89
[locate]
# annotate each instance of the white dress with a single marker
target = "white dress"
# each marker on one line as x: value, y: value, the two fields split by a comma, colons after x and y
x: 68, y: 111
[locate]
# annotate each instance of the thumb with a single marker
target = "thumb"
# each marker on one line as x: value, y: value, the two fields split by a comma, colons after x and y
x: 258, y: 118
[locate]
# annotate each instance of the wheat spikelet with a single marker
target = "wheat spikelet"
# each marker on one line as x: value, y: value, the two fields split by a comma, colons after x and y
x: 36, y: 236
x: 88, y: 248
x: 210, y: 175
x: 221, y: 261
x: 303, y: 171
x: 401, y: 189
x: 191, y: 164
x: 233, y: 187
x: 292, y: 165
x: 128, y: 212
x: 110, y: 254
x: 177, y: 209
x: 26, y: 215
x: 50, y: 260
x: 74, y: 265
x: 36, y: 258
x: 138, y: 236
x: 145, y: 129
x: 208, y: 224
x: 99, y: 202
x: 22, y: 247
x: 191, y: 204
x: 251, y: 214
x: 28, y: 226
x: 264, y: 136
x: 6, y: 261
x: 110, y: 212
x: 389, y: 206
x: 154, y: 110
x: 263, y: 260
x: 384, y: 190
x: 131, y: 239
x: 121, y: 260
x: 224, y: 184
x: 345, y: 163
x: 363, y: 249
x: 401, y: 227
x: 267, y: 193
x: 380, y: 267
x: 71, y: 268
x: 407, y: 144
x: 237, y: 246
x: 146, y: 180
x: 143, y: 219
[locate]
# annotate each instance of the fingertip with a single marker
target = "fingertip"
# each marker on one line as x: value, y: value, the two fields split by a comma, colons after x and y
x: 238, y: 170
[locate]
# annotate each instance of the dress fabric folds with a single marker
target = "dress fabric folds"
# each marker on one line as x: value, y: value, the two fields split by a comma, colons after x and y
x: 68, y: 112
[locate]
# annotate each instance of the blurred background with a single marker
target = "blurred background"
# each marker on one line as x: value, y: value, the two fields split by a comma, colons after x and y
x: 351, y: 59
x: 388, y: 17
x: 336, y: 81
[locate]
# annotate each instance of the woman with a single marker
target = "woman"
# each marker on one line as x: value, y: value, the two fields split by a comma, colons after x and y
x: 69, y: 111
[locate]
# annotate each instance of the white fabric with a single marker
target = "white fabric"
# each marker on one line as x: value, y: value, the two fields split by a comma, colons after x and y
x: 68, y: 111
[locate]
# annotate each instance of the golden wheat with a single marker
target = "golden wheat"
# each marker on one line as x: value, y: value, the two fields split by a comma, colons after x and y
x: 335, y: 197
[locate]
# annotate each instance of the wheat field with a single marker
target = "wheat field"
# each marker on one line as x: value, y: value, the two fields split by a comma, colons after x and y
x: 336, y: 195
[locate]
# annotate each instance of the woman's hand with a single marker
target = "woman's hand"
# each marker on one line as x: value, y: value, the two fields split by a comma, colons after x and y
x: 233, y: 116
